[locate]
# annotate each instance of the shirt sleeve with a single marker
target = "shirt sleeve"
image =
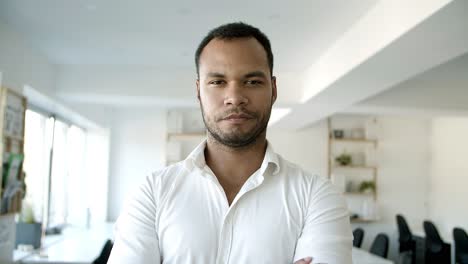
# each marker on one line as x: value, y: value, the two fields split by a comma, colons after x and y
x: 326, y: 235
x: 136, y: 238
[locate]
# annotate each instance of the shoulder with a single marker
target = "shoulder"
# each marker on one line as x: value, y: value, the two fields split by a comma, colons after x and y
x: 162, y: 180
x: 312, y: 185
x: 295, y: 172
x: 156, y: 185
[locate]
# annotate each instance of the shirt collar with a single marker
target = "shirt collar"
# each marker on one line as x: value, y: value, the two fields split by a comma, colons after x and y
x: 197, y: 159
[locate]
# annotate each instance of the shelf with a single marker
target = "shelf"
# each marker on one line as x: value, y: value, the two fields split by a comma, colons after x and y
x: 186, y: 136
x: 361, y: 220
x: 358, y: 194
x: 354, y: 140
x: 355, y: 167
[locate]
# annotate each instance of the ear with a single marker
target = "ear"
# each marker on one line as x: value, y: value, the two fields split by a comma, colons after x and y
x: 198, y: 89
x: 274, y: 90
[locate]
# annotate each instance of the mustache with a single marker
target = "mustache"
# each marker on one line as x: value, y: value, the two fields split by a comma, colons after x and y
x: 237, y: 111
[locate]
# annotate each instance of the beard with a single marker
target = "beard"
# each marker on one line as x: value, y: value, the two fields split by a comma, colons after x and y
x: 236, y: 138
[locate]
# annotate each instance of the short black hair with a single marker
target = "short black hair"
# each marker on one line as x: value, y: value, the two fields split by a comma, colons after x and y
x: 235, y: 30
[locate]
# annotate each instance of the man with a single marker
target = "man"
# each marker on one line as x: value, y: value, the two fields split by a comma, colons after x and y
x: 233, y: 199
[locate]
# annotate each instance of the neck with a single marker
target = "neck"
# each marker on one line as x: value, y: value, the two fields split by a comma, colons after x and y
x: 233, y: 166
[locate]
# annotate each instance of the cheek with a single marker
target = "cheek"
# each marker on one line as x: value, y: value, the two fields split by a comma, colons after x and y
x: 211, y: 100
x: 210, y: 106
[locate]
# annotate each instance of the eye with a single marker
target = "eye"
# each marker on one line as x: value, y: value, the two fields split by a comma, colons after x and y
x: 254, y: 82
x: 216, y: 82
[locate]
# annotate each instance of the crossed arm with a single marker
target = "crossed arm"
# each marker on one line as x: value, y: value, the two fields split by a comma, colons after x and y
x: 326, y: 235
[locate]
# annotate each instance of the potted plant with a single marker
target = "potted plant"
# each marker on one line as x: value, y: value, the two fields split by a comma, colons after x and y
x: 28, y: 231
x: 367, y: 187
x: 344, y: 159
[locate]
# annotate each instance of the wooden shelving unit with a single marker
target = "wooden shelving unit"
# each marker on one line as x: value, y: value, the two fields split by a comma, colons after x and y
x: 362, y: 221
x: 353, y: 175
x: 12, y: 124
x: 185, y: 130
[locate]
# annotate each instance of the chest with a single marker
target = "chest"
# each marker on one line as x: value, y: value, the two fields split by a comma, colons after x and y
x: 261, y: 225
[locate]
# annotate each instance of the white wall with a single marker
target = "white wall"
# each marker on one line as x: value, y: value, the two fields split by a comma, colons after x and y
x: 448, y: 196
x: 306, y: 148
x: 97, y: 173
x: 403, y: 175
x: 136, y: 149
x: 22, y: 65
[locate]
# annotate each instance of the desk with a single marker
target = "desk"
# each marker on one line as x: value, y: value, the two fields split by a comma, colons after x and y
x: 82, y: 246
x: 74, y: 246
x: 361, y: 256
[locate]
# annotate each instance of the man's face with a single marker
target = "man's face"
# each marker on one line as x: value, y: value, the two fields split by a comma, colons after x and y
x: 235, y: 90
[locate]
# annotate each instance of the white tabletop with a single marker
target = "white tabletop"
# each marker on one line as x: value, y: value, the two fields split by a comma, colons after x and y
x: 80, y: 246
x: 361, y: 256
x: 77, y: 246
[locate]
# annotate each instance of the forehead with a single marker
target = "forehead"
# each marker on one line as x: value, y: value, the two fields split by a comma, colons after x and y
x: 233, y: 56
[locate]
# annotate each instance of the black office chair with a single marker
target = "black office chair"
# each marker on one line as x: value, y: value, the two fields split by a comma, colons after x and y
x: 407, y: 246
x: 437, y: 251
x: 380, y: 245
x: 358, y: 236
x: 105, y: 253
x: 461, y: 246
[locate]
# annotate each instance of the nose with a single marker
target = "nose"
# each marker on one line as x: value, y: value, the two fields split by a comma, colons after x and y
x: 235, y: 95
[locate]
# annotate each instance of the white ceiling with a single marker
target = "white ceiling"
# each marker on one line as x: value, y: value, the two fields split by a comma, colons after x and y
x: 166, y: 33
x: 440, y: 90
x: 330, y: 55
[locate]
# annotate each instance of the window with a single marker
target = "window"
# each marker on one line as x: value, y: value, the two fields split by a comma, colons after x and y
x: 37, y: 146
x: 54, y: 162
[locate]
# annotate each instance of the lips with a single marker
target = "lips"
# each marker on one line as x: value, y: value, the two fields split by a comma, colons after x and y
x: 237, y: 116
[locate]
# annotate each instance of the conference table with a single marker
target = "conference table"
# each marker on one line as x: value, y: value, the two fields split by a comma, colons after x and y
x: 82, y: 247
x: 361, y: 256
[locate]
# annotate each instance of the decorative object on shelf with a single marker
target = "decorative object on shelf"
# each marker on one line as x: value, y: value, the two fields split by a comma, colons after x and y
x: 350, y: 187
x: 12, y: 168
x: 338, y: 133
x: 344, y: 159
x: 367, y: 187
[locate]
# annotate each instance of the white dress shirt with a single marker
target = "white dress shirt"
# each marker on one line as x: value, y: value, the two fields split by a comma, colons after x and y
x: 281, y: 214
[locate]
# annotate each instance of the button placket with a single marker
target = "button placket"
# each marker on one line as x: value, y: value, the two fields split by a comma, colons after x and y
x: 225, y: 239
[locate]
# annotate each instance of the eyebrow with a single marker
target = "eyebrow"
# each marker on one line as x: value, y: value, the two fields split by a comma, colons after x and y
x: 248, y: 75
x: 216, y: 75
x: 255, y: 74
